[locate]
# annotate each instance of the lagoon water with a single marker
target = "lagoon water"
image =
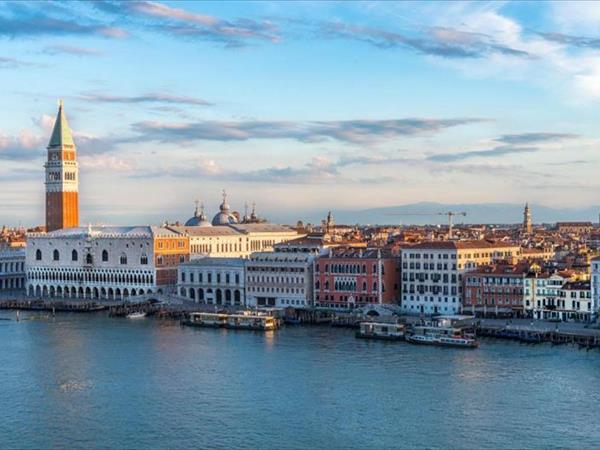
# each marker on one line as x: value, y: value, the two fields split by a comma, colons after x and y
x: 89, y: 381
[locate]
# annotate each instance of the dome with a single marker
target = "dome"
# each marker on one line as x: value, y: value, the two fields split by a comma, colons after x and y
x: 224, y: 219
x: 197, y: 222
x: 224, y: 216
x: 198, y: 219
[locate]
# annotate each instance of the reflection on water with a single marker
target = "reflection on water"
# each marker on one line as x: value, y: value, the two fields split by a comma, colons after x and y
x: 87, y: 381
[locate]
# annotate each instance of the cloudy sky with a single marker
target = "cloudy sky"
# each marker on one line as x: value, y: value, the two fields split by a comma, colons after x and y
x: 301, y: 107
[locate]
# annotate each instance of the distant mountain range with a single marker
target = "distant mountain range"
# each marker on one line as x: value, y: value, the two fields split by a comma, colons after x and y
x: 489, y: 213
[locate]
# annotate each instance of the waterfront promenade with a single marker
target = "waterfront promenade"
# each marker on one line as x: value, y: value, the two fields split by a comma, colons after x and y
x: 173, y: 307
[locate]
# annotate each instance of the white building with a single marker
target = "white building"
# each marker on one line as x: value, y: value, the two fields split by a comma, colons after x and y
x: 595, y: 287
x: 12, y: 269
x: 432, y: 272
x: 233, y: 240
x: 111, y: 263
x: 214, y: 281
x: 284, y: 277
x: 541, y: 294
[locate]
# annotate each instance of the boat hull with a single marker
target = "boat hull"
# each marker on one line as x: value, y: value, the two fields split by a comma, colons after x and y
x: 376, y: 337
x: 469, y: 344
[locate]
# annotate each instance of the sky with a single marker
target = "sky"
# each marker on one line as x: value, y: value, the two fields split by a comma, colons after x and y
x: 300, y: 107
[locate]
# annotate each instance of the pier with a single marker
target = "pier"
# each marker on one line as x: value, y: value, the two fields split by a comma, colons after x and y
x: 539, y: 332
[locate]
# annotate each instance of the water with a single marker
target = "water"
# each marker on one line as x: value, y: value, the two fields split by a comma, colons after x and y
x: 87, y: 381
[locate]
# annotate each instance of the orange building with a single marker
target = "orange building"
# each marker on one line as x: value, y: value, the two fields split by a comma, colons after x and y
x: 170, y: 250
x: 62, y: 177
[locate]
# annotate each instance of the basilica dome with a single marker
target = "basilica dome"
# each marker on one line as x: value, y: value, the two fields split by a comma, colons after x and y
x: 198, y: 219
x: 224, y: 216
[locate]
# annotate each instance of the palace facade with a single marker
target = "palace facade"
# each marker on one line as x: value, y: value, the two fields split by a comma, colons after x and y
x: 105, y: 263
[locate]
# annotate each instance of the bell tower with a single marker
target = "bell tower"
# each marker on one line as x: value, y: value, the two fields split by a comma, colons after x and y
x: 62, y: 177
x: 527, y: 221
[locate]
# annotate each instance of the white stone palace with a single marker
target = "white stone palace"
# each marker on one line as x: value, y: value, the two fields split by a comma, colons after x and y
x: 106, y: 263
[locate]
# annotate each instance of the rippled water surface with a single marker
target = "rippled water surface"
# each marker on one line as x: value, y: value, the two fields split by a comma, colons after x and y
x: 87, y: 381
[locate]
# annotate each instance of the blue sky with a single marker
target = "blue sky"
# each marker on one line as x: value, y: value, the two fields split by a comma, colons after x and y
x: 302, y: 106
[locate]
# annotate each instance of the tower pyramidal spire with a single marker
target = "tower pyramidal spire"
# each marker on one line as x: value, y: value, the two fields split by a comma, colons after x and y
x: 62, y: 176
x: 61, y: 134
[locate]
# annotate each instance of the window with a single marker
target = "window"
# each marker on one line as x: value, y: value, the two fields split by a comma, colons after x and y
x: 104, y: 256
x: 56, y: 255
x: 38, y: 255
x: 144, y: 259
x: 74, y: 256
x: 89, y: 259
x: 123, y: 258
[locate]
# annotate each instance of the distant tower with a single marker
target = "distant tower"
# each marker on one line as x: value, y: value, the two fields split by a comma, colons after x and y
x: 527, y: 224
x: 329, y: 223
x: 62, y: 177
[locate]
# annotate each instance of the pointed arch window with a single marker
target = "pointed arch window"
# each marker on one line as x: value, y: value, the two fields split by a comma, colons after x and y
x: 144, y: 259
x: 104, y: 256
x: 56, y: 255
x: 123, y: 258
x: 38, y: 255
x: 89, y: 259
x: 74, y: 255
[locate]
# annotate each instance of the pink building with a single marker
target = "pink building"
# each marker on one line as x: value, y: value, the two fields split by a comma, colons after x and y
x: 349, y: 277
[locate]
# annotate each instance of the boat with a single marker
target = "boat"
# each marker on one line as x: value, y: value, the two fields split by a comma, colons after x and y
x: 251, y: 322
x: 244, y: 321
x: 441, y: 336
x: 209, y: 320
x: 136, y: 315
x: 381, y: 330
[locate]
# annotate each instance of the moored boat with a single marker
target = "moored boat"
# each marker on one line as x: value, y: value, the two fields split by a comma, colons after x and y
x: 441, y: 336
x: 136, y: 315
x: 251, y: 322
x: 209, y: 320
x: 245, y: 321
x: 382, y: 331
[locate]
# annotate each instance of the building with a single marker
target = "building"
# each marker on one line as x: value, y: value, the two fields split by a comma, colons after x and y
x: 233, y: 240
x: 105, y: 263
x: 12, y: 269
x: 62, y: 177
x: 432, y: 272
x: 284, y: 277
x: 347, y: 277
x: 574, y: 227
x: 214, y: 281
x: 527, y: 221
x: 496, y: 289
x: 574, y: 303
x: 595, y: 287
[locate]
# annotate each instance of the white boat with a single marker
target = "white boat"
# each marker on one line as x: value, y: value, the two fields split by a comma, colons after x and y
x: 441, y: 336
x: 136, y: 315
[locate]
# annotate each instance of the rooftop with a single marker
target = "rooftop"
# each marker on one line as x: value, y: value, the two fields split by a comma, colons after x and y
x: 215, y: 262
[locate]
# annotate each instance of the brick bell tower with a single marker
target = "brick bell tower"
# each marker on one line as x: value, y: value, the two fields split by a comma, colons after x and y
x: 62, y: 177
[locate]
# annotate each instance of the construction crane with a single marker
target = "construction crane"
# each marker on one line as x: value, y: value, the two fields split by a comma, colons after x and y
x: 449, y: 214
